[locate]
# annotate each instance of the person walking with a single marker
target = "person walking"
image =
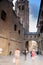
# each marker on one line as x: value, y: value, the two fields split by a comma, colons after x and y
x: 33, y: 54
x: 17, y: 56
x: 25, y: 53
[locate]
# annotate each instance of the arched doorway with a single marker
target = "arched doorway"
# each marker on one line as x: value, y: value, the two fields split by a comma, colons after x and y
x: 33, y: 45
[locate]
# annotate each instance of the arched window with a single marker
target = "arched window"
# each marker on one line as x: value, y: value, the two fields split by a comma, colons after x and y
x: 3, y: 15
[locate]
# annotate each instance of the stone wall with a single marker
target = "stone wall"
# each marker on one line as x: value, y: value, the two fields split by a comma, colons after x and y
x: 9, y: 38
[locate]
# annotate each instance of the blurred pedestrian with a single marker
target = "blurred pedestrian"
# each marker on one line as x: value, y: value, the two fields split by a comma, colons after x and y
x: 33, y: 54
x: 25, y: 53
x: 17, y: 56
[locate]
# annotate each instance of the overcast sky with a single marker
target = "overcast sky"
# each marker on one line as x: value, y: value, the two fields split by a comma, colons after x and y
x: 33, y: 14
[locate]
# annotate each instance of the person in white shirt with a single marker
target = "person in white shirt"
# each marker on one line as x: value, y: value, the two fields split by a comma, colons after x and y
x: 17, y: 56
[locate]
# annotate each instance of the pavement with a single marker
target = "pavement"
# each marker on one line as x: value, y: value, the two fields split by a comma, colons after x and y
x: 8, y: 60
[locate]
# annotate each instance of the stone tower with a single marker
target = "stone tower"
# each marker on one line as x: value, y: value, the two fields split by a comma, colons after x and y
x: 22, y: 10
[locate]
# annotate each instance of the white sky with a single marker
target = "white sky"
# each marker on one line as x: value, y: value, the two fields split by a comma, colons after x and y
x: 32, y: 24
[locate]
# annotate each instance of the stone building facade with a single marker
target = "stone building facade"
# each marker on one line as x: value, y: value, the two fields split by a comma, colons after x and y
x: 11, y: 30
x: 40, y: 26
x: 22, y: 10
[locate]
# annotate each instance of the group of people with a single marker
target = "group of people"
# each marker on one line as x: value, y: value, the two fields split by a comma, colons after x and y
x: 17, y: 55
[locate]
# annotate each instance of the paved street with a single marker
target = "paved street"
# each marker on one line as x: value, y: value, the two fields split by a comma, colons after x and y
x: 8, y: 60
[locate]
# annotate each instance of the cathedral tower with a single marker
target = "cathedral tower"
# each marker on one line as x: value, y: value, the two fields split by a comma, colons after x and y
x: 22, y: 10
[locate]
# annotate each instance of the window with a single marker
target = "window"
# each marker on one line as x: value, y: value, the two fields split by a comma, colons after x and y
x: 42, y: 13
x: 3, y: 15
x: 41, y: 23
x: 35, y: 36
x: 22, y: 7
x: 19, y: 32
x: 38, y: 35
x: 41, y: 29
x: 19, y: 7
x: 15, y: 27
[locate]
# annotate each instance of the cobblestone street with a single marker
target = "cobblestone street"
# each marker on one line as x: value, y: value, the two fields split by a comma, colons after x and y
x: 8, y: 60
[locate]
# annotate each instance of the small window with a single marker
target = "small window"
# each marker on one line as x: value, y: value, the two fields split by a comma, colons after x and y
x: 38, y: 35
x: 19, y: 7
x: 42, y: 13
x: 3, y: 15
x: 41, y: 29
x: 22, y: 7
x: 35, y: 36
x: 41, y: 22
x: 15, y: 27
x: 19, y: 32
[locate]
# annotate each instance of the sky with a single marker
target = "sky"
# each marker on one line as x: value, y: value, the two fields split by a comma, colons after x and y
x: 34, y: 6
